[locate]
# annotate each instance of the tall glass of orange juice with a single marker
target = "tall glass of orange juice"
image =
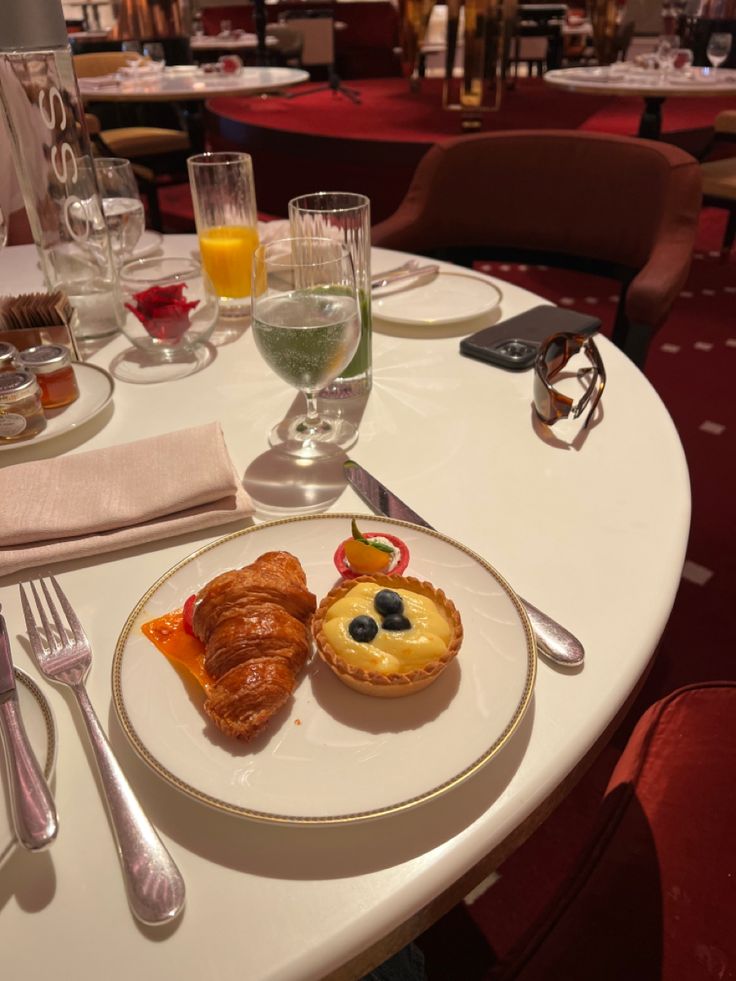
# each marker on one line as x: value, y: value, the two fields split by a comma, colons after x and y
x: 223, y: 192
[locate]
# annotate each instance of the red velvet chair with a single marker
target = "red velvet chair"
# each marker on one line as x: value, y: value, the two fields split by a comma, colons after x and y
x: 654, y: 895
x: 614, y: 205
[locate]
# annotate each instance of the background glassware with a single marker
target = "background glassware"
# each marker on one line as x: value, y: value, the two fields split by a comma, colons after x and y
x: 344, y: 217
x: 3, y: 230
x: 683, y: 60
x: 224, y: 196
x: 306, y: 324
x: 169, y: 314
x: 667, y: 45
x: 719, y: 48
x: 155, y: 51
x: 121, y: 205
x: 40, y: 99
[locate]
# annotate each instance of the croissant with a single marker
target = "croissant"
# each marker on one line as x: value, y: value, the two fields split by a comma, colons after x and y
x: 254, y: 624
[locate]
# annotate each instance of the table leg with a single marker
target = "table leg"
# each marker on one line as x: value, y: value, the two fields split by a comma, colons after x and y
x: 650, y: 124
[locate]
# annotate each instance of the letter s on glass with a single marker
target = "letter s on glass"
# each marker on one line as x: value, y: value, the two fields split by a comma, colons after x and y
x: 48, y: 114
x: 62, y: 160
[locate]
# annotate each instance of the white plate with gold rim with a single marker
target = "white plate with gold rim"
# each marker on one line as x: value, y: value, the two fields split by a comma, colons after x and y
x: 39, y: 725
x: 96, y: 387
x: 449, y: 298
x: 333, y: 755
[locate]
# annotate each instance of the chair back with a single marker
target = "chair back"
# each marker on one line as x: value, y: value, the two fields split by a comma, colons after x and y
x: 580, y: 194
x: 290, y: 42
x: 317, y: 29
x: 95, y: 63
x: 614, y: 205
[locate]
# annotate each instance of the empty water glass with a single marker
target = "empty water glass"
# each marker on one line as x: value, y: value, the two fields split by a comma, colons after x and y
x: 121, y: 205
x: 667, y: 45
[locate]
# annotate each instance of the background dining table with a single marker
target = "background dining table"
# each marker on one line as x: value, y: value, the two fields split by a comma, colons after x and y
x: 590, y: 527
x: 187, y: 84
x: 653, y: 86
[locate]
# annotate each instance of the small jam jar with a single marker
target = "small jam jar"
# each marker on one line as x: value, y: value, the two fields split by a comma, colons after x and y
x: 21, y: 413
x: 8, y: 357
x: 51, y: 364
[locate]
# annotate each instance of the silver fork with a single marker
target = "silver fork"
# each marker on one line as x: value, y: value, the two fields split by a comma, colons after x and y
x: 401, y: 270
x: 153, y: 882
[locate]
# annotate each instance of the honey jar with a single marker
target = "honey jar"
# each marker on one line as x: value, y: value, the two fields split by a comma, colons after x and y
x: 21, y: 413
x: 51, y: 364
x: 8, y: 357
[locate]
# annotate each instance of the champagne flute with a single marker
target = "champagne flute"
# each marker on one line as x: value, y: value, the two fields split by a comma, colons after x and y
x: 719, y: 47
x: 306, y: 324
x: 121, y: 205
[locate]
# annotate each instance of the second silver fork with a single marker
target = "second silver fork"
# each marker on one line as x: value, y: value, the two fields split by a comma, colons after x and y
x: 154, y: 884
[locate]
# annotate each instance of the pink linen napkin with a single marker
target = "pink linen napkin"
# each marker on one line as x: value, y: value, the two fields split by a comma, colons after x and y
x: 88, y: 503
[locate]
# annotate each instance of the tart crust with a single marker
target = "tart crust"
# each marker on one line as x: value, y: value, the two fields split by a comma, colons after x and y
x: 393, y: 685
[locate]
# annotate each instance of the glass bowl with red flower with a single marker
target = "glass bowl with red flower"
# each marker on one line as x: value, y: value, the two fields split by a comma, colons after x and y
x: 168, y: 310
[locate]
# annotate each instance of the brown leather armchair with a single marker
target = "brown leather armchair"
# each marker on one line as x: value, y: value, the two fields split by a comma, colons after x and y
x: 613, y: 205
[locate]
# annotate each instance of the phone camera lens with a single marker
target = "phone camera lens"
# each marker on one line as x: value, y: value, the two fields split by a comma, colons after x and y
x: 515, y: 349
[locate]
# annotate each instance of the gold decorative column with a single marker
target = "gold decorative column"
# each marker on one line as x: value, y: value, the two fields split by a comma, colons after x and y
x: 604, y: 21
x: 414, y: 25
x: 479, y: 88
x: 144, y: 19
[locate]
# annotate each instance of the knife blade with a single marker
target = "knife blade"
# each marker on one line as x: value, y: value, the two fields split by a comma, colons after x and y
x: 553, y: 640
x: 31, y: 804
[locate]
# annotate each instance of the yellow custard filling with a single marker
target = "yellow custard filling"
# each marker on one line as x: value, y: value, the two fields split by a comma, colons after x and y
x: 390, y: 651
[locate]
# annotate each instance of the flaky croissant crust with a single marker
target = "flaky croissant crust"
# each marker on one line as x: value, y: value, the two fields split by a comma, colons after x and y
x: 254, y: 623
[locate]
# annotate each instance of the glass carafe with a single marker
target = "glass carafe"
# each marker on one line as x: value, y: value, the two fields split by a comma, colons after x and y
x: 51, y: 148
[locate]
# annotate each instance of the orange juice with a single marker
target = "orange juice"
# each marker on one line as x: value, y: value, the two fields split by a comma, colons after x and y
x: 227, y: 257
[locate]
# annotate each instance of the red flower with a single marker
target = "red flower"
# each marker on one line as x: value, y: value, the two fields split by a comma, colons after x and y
x: 163, y: 311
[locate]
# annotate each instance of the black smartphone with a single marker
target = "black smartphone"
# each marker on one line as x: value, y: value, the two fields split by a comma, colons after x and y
x: 513, y: 344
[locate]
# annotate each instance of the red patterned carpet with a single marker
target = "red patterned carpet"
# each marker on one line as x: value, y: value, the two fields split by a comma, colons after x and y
x: 690, y: 365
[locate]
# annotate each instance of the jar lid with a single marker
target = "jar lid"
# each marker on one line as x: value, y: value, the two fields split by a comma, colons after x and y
x: 7, y: 352
x: 45, y: 358
x: 17, y: 385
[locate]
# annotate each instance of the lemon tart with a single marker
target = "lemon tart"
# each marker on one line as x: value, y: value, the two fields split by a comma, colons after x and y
x: 387, y: 636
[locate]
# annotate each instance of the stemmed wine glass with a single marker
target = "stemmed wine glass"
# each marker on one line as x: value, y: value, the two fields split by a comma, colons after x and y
x: 666, y: 51
x: 121, y: 205
x: 306, y: 324
x: 719, y: 46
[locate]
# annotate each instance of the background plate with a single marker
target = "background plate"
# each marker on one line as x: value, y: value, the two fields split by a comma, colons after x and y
x: 333, y: 755
x: 150, y: 243
x: 449, y: 298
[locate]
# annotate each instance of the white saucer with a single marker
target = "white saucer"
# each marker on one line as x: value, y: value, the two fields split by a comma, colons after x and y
x: 450, y: 297
x: 182, y: 70
x: 149, y: 243
x: 95, y: 391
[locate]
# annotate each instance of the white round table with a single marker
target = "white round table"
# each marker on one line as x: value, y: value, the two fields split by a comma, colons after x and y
x: 593, y: 532
x: 651, y: 86
x: 171, y: 85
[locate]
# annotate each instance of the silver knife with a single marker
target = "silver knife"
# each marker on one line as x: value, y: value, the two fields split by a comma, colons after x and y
x: 31, y: 803
x: 553, y: 640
